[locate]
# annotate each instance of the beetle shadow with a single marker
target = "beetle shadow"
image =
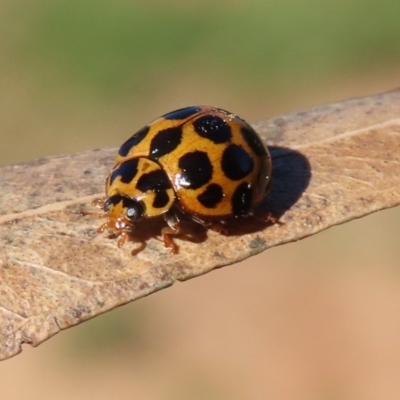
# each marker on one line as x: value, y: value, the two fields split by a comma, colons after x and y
x: 151, y: 229
x: 291, y: 174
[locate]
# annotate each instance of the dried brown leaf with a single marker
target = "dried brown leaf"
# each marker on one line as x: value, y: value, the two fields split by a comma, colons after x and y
x: 331, y: 164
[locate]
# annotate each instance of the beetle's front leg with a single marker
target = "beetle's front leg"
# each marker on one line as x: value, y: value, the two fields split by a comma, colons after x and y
x: 173, y: 229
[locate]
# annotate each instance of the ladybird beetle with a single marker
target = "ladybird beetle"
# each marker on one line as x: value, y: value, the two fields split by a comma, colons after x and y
x: 204, y: 162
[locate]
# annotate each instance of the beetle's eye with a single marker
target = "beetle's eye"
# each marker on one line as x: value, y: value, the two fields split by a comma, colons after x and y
x: 110, y: 201
x: 134, y: 210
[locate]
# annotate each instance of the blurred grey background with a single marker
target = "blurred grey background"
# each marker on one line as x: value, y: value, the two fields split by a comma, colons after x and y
x: 318, y: 319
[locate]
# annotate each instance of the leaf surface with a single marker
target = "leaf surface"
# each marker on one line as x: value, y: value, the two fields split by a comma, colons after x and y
x: 331, y: 164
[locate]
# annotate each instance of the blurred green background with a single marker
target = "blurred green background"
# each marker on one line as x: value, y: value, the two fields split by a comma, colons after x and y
x: 318, y: 319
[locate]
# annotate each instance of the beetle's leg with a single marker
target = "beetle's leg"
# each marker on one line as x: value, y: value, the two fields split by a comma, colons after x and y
x: 172, y: 229
x: 98, y: 203
x: 102, y: 228
x: 266, y: 217
x: 219, y: 226
x: 142, y: 246
x: 122, y: 239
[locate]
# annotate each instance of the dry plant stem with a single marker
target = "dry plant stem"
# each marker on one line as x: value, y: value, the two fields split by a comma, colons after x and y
x: 331, y: 164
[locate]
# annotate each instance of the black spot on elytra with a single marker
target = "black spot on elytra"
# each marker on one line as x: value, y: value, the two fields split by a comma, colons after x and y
x: 133, y: 141
x: 182, y: 113
x: 213, y: 128
x: 252, y: 139
x: 126, y: 170
x: 165, y: 142
x: 196, y: 170
x: 211, y: 196
x: 236, y: 162
x: 155, y: 181
x: 161, y: 199
x: 242, y: 199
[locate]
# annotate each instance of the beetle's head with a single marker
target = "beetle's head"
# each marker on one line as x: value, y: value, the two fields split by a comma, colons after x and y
x: 122, y: 212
